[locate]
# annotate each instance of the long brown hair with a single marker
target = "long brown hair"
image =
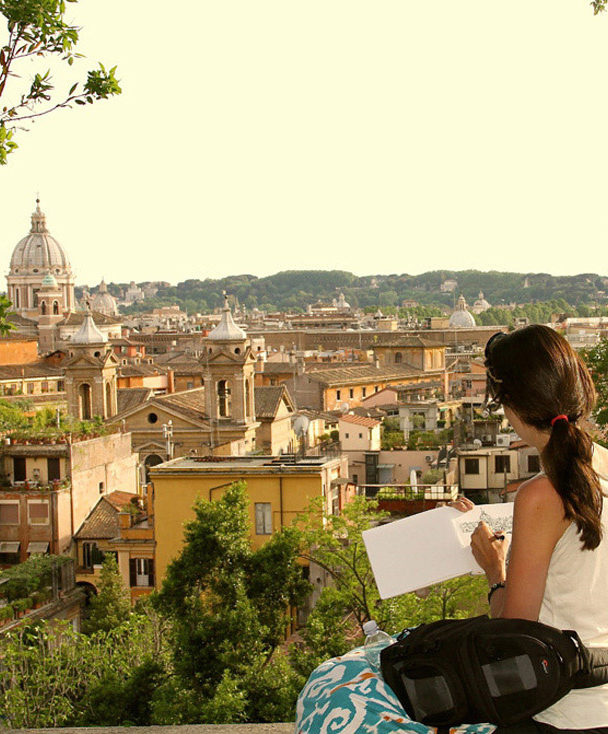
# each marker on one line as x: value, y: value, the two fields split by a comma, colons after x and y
x: 536, y: 373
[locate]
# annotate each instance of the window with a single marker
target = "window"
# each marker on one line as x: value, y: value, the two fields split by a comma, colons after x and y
x: 363, y: 391
x: 263, y: 518
x: 471, y: 466
x: 398, y: 358
x: 30, y: 388
x: 360, y: 435
x: 44, y: 386
x: 223, y: 399
x: 338, y: 393
x: 60, y: 386
x: 100, y: 487
x: 346, y: 435
x: 534, y: 463
x: 19, y: 468
x: 351, y: 393
x: 53, y: 468
x: 356, y: 478
x: 189, y: 385
x: 141, y: 572
x: 38, y: 512
x: 502, y: 464
x: 376, y: 388
x: 152, y: 418
x: 91, y: 555
x: 9, y: 512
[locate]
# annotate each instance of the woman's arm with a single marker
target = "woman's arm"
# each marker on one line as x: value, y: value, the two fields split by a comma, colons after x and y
x: 538, y: 523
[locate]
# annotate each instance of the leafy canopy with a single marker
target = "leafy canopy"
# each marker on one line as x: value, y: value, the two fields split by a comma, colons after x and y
x: 38, y: 29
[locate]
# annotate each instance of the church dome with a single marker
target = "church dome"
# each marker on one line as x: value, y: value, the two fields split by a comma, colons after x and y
x: 39, y: 251
x: 481, y: 304
x: 227, y: 330
x: 104, y: 302
x: 461, y: 318
x: 88, y: 332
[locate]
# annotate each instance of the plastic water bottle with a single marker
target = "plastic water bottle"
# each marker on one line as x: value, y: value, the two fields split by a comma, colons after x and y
x: 375, y: 641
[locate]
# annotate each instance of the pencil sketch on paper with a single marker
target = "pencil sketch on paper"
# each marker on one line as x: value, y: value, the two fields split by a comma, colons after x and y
x: 498, y: 523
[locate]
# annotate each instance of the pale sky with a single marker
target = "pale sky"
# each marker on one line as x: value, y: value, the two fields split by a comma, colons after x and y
x: 397, y: 136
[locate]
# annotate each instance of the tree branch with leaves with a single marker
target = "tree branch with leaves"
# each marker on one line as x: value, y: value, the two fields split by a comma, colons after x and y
x: 38, y: 29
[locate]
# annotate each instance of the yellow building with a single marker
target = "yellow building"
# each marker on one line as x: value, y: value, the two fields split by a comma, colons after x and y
x: 278, y: 492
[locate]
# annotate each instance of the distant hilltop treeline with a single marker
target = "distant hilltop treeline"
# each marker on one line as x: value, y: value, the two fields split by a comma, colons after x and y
x: 293, y: 290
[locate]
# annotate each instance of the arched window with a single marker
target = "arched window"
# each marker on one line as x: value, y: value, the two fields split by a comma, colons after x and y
x: 398, y: 358
x: 55, y: 308
x: 84, y: 400
x: 151, y: 460
x: 223, y: 399
x: 109, y: 406
x: 43, y: 308
x: 17, y: 297
x: 247, y: 398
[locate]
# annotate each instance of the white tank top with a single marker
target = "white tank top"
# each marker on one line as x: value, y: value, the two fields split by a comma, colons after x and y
x: 576, y: 597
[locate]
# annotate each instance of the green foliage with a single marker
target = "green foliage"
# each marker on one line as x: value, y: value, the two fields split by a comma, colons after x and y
x: 50, y: 675
x: 432, y: 476
x: 112, y: 604
x: 325, y: 634
x: 37, y: 29
x: 293, y: 290
x: 35, y: 574
x: 596, y: 359
x: 227, y: 604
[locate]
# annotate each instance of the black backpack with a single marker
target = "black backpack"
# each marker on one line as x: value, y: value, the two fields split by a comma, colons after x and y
x: 500, y: 671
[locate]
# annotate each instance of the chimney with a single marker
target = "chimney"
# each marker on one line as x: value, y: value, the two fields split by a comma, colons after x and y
x: 170, y: 381
x: 377, y: 363
x: 124, y: 520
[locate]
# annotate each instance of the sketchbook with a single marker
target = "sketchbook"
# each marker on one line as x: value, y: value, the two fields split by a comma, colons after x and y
x: 430, y: 547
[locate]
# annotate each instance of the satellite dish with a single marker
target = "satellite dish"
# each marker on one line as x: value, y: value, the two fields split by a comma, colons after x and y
x: 344, y: 407
x: 300, y: 425
x: 477, y: 443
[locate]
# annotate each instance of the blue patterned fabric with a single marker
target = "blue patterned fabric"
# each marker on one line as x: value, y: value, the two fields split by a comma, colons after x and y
x: 345, y: 696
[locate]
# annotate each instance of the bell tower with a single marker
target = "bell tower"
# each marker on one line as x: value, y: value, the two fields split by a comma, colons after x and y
x: 229, y: 374
x: 91, y: 373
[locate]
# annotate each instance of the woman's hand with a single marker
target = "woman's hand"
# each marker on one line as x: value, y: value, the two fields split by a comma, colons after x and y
x: 463, y: 504
x: 490, y: 551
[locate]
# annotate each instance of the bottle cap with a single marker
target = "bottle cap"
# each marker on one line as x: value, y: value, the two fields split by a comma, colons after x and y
x: 370, y: 628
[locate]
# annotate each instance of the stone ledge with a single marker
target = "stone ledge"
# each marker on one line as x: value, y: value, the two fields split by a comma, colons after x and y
x: 189, y: 729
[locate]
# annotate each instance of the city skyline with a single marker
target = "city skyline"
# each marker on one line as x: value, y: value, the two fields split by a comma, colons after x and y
x: 394, y: 139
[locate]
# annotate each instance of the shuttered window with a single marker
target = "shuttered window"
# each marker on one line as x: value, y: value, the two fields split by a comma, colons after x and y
x: 9, y: 513
x: 263, y: 518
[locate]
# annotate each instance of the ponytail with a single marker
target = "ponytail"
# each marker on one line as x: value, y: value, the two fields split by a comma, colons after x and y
x: 537, y: 374
x: 567, y: 463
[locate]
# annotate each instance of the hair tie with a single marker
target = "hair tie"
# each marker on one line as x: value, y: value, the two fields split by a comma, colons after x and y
x: 559, y: 418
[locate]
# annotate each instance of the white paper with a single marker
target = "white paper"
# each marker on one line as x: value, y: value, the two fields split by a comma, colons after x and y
x: 427, y: 548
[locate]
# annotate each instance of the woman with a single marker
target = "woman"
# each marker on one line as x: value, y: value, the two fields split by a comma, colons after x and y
x: 558, y: 566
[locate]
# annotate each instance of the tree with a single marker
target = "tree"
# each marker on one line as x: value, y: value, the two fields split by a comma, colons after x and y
x: 228, y: 607
x: 112, y: 605
x: 596, y: 359
x: 38, y: 29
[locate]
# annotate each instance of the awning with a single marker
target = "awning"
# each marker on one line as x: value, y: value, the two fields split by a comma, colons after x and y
x: 38, y: 547
x: 9, y: 546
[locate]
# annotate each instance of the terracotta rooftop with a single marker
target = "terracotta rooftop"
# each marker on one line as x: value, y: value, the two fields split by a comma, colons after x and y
x: 364, y: 374
x: 29, y: 370
x: 129, y: 397
x: 360, y: 420
x: 190, y: 403
x: 268, y: 399
x: 409, y: 341
x: 102, y: 522
x: 141, y: 370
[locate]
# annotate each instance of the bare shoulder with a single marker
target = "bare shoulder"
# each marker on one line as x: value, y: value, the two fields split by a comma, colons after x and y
x: 538, y: 495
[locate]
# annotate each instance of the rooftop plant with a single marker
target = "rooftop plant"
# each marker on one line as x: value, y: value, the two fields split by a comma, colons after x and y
x: 35, y: 574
